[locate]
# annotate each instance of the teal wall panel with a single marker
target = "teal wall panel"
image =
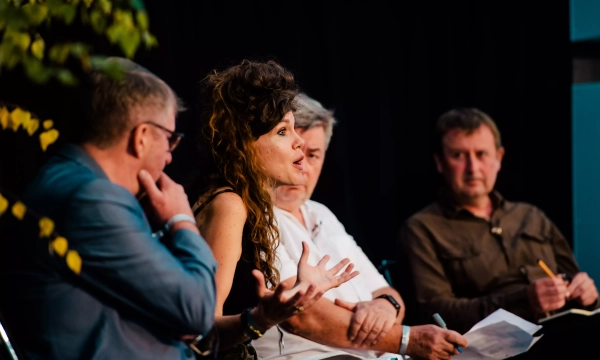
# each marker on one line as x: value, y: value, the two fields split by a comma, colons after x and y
x: 585, y: 20
x: 586, y: 177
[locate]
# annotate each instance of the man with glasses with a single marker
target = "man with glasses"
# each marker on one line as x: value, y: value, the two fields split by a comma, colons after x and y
x: 130, y: 294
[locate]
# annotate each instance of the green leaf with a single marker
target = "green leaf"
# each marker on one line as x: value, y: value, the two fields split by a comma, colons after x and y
x: 37, y: 48
x: 36, y: 13
x: 98, y: 21
x: 68, y: 12
x: 149, y: 40
x: 66, y: 77
x: 79, y: 49
x: 88, y: 3
x: 125, y: 18
x: 15, y: 19
x: 59, y: 53
x: 55, y: 6
x: 142, y: 20
x: 9, y: 55
x: 19, y: 39
x: 105, y: 6
x: 36, y: 70
x: 114, y: 32
x: 129, y: 43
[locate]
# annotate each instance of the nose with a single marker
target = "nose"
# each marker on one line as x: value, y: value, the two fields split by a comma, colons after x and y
x: 169, y: 158
x: 471, y: 163
x: 298, y: 141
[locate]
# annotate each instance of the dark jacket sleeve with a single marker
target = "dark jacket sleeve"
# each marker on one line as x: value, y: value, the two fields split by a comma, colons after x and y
x: 123, y: 263
x: 565, y: 261
x: 433, y: 289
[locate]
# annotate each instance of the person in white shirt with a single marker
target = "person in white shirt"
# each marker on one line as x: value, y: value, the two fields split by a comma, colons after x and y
x: 361, y: 318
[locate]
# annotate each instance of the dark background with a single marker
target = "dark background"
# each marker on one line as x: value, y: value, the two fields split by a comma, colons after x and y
x: 388, y: 70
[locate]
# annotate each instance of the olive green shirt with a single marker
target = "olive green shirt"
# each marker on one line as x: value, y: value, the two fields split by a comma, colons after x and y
x: 465, y: 267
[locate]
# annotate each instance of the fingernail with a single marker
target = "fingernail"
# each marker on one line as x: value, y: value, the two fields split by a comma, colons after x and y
x: 143, y: 173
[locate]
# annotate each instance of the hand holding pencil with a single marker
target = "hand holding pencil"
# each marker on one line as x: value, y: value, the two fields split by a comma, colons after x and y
x: 548, y: 293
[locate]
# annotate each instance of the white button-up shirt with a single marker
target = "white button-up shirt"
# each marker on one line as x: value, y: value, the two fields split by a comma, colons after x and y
x: 325, y: 235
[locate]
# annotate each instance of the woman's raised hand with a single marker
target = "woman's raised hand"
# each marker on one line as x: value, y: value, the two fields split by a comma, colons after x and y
x: 312, y: 281
x: 281, y: 304
x: 319, y: 277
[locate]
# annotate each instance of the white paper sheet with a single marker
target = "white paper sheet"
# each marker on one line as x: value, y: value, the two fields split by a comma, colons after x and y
x: 500, y: 335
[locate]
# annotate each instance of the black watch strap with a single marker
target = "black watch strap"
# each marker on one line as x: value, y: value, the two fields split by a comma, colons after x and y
x: 393, y: 301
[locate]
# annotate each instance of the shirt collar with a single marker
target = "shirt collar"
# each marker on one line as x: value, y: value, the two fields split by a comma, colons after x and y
x: 77, y: 154
x: 452, y: 208
x: 311, y: 219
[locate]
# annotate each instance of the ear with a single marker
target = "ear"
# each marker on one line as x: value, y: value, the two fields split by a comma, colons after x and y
x: 499, y: 157
x: 140, y: 140
x: 438, y: 163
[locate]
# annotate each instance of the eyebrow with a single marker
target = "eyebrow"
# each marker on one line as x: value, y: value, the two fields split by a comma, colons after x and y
x: 314, y: 149
x: 286, y: 120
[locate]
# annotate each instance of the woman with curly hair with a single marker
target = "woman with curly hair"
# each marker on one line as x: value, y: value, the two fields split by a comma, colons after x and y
x: 252, y: 148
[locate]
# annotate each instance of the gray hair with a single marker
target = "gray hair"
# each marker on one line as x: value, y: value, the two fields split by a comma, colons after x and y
x: 310, y: 113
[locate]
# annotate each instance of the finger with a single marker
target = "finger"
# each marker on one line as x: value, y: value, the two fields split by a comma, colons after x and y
x: 375, y: 333
x: 554, y: 290
x: 355, y: 325
x: 164, y: 181
x: 148, y: 184
x: 577, y: 280
x: 455, y: 338
x: 348, y: 269
x: 345, y: 304
x: 305, y: 253
x: 589, y: 297
x: 363, y: 332
x: 347, y: 277
x: 280, y: 291
x: 339, y: 266
x: 578, y: 291
x: 261, y: 286
x: 323, y: 261
x: 308, y: 296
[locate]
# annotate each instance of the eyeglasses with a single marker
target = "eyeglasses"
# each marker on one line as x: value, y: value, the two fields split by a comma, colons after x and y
x: 174, y: 137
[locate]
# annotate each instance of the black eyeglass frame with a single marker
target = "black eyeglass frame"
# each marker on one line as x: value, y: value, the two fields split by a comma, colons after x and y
x: 174, y: 137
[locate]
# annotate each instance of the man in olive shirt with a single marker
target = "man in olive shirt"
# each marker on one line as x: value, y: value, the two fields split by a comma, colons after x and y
x: 473, y: 252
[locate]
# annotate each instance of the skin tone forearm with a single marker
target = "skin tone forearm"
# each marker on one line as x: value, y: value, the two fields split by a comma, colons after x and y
x: 232, y: 326
x: 323, y: 321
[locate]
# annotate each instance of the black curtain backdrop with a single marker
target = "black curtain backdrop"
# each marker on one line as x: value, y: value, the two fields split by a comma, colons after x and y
x: 388, y: 70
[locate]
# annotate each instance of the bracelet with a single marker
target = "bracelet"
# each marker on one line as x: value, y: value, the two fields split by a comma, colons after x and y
x: 177, y: 218
x: 405, y: 338
x: 393, y: 301
x: 249, y: 326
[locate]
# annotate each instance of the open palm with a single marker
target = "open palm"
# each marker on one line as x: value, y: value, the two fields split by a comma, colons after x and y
x: 320, y: 277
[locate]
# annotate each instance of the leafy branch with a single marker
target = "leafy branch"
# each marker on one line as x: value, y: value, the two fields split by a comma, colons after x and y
x: 124, y: 23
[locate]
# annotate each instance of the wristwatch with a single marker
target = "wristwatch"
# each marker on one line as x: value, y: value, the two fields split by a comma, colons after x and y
x: 393, y: 301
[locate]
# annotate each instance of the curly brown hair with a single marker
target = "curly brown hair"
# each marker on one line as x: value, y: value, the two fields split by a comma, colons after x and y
x: 244, y: 102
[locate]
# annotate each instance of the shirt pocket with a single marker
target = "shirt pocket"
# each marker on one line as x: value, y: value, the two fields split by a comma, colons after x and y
x: 534, y: 243
x: 463, y: 267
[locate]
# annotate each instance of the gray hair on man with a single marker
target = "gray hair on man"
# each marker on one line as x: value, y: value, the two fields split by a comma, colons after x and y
x: 310, y: 113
